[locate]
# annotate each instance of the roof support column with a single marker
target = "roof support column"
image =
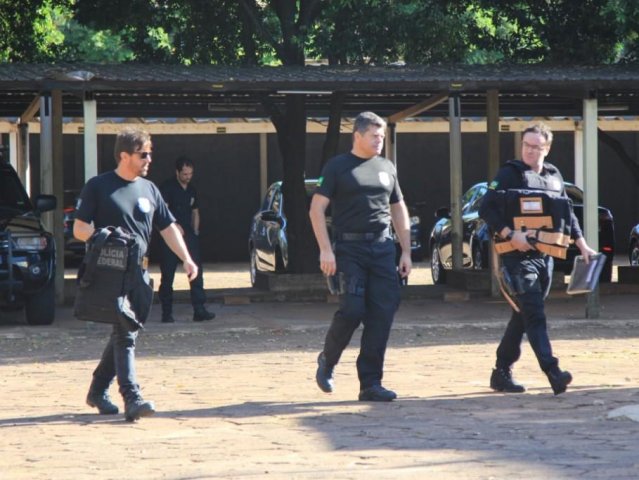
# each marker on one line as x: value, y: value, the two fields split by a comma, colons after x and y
x: 492, y: 127
x: 90, y: 137
x: 263, y: 164
x: 51, y: 176
x: 591, y: 190
x: 579, y: 155
x: 22, y: 154
x: 391, y: 143
x: 454, y: 108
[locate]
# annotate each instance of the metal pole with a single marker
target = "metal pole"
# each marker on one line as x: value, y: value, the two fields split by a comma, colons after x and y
x: 591, y: 191
x: 455, y: 180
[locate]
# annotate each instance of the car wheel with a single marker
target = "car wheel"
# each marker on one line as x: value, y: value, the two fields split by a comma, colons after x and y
x: 634, y: 254
x: 478, y: 260
x: 39, y: 308
x: 436, y: 268
x: 606, y: 272
x: 253, y: 266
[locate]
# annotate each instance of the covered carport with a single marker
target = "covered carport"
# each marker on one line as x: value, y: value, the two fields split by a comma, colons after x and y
x: 136, y: 92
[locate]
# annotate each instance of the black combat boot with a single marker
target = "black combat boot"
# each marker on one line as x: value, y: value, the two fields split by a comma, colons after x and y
x: 502, y: 380
x: 324, y: 374
x: 201, y: 314
x: 559, y: 380
x: 135, y: 407
x: 376, y: 393
x: 98, y: 397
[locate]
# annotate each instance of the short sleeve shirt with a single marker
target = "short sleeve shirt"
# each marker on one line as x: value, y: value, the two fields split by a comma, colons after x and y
x: 109, y: 200
x: 181, y: 201
x: 361, y: 192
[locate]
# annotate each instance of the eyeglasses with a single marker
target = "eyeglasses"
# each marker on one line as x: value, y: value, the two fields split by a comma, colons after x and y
x: 144, y: 155
x: 534, y: 148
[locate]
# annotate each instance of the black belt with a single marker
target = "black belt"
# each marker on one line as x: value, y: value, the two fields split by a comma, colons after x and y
x: 361, y: 236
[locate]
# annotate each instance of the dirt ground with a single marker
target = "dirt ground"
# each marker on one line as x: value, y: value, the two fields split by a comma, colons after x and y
x: 236, y: 399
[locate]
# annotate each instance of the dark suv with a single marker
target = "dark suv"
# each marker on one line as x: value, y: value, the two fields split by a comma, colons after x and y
x: 27, y: 251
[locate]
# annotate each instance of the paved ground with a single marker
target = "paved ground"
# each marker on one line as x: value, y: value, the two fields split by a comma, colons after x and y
x: 236, y: 399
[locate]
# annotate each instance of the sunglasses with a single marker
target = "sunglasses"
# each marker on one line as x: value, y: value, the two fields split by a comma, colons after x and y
x: 144, y: 155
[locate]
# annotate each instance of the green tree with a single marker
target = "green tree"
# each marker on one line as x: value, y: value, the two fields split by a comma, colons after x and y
x: 551, y: 31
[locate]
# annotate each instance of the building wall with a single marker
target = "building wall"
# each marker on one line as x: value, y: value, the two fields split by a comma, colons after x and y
x: 227, y: 176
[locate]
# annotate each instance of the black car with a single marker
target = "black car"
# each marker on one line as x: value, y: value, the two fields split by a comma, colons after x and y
x: 72, y: 246
x: 633, y: 249
x: 268, y: 244
x: 27, y: 251
x: 476, y: 236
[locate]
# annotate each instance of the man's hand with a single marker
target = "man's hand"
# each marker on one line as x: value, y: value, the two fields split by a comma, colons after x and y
x: 520, y: 241
x: 405, y: 265
x: 584, y: 249
x: 327, y: 262
x: 190, y: 268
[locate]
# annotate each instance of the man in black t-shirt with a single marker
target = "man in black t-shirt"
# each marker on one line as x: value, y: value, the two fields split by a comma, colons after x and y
x: 365, y: 197
x: 122, y: 198
x: 180, y: 196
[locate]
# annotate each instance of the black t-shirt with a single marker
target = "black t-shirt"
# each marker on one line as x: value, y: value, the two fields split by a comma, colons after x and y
x: 360, y: 191
x: 181, y: 202
x: 109, y: 200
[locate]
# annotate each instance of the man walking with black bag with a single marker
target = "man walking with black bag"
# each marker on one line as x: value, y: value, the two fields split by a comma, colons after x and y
x: 123, y: 198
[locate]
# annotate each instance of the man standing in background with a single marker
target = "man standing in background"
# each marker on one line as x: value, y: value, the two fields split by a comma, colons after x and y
x: 181, y: 198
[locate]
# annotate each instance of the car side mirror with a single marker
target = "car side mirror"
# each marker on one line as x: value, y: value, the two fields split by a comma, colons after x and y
x: 442, y: 212
x: 45, y: 203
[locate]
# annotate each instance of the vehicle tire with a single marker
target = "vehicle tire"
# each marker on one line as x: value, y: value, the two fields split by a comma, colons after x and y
x: 39, y: 308
x: 606, y: 272
x: 279, y: 260
x: 634, y: 254
x: 478, y: 259
x: 253, y: 266
x: 436, y: 268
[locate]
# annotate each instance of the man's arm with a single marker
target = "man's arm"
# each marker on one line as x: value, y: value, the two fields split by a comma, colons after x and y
x: 317, y: 213
x: 195, y: 220
x: 174, y: 240
x: 82, y: 230
x: 401, y: 224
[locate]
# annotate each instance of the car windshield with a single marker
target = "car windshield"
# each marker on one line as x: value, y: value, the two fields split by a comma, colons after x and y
x: 12, y: 195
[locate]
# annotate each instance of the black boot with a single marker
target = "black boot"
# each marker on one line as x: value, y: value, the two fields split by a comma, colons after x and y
x: 324, y: 374
x: 135, y: 407
x: 502, y: 380
x: 99, y: 398
x: 559, y: 380
x: 167, y: 318
x: 201, y: 314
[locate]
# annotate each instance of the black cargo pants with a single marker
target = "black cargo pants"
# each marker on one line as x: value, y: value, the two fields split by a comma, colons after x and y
x: 371, y: 297
x: 168, y: 265
x: 530, y: 279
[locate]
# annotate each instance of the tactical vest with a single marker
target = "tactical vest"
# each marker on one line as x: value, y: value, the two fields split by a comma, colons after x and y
x: 540, y: 210
x: 112, y: 285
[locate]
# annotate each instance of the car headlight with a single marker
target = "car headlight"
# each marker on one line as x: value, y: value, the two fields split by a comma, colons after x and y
x: 414, y: 220
x: 31, y: 242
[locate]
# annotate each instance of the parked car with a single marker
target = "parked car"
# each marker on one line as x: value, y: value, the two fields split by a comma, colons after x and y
x: 268, y: 243
x: 633, y: 248
x: 27, y: 251
x: 72, y: 246
x: 476, y: 236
